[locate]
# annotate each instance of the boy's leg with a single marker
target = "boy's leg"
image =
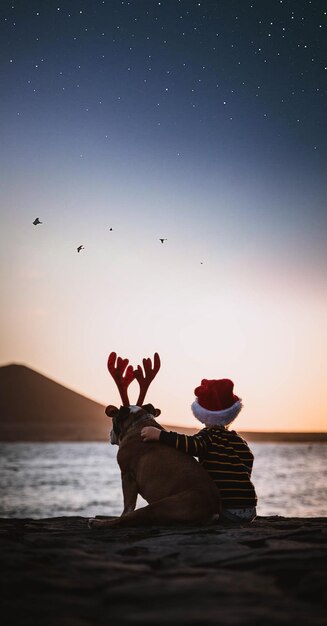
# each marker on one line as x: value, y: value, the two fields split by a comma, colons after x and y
x: 237, y: 516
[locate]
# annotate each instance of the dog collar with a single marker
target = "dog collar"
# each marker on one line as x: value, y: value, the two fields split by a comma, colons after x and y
x: 143, y: 418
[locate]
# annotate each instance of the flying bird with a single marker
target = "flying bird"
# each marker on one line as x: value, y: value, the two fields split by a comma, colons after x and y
x: 80, y: 248
x: 162, y: 240
x: 37, y: 221
x: 110, y: 228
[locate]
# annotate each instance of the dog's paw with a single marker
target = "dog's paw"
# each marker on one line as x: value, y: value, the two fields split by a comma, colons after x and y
x: 94, y: 523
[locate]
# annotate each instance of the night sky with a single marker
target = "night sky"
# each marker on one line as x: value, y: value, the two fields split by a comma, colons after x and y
x: 200, y: 122
x: 204, y: 83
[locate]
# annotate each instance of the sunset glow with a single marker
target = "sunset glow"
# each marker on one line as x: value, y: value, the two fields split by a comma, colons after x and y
x: 239, y: 288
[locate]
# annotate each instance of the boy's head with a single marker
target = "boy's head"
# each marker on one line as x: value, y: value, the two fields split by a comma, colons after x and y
x: 216, y: 404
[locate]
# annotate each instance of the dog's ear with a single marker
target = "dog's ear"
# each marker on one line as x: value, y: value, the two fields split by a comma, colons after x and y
x: 111, y: 411
x: 149, y: 408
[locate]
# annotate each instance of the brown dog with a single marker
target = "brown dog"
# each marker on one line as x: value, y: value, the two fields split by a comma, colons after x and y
x: 176, y: 487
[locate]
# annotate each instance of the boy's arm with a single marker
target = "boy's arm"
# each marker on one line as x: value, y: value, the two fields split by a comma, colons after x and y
x: 194, y: 445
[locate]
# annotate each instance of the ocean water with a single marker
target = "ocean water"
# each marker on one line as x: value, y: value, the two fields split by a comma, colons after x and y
x: 41, y: 480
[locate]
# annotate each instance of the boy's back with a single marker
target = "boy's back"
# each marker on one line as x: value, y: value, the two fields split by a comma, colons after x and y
x: 226, y: 457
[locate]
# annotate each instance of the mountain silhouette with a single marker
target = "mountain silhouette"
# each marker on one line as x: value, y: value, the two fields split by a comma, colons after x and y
x: 36, y: 408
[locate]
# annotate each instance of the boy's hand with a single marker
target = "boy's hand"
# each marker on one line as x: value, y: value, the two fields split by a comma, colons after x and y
x: 150, y: 433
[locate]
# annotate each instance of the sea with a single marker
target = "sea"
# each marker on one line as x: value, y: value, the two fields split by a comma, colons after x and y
x: 40, y: 480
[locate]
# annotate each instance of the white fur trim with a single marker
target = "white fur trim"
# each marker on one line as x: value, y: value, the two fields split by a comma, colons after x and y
x: 134, y: 408
x: 216, y: 418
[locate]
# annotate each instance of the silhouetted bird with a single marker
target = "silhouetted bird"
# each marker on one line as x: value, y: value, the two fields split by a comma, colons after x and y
x: 162, y: 240
x: 80, y: 248
x: 37, y: 221
x: 110, y: 228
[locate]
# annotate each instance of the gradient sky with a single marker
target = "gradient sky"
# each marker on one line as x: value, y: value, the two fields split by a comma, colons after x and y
x: 200, y: 122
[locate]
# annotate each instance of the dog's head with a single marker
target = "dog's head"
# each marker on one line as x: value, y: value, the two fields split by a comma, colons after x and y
x: 124, y: 417
x: 123, y: 374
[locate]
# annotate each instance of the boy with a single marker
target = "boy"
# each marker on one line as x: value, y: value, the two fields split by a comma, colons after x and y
x: 223, y: 453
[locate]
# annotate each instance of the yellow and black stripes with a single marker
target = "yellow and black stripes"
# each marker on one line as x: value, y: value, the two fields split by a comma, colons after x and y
x: 226, y: 457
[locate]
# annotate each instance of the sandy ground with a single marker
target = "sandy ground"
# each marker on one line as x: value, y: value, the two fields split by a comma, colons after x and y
x: 57, y: 572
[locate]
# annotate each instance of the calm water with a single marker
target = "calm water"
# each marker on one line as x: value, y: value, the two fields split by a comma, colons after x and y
x: 54, y: 479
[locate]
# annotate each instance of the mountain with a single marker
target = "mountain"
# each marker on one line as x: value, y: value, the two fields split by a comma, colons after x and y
x: 35, y: 408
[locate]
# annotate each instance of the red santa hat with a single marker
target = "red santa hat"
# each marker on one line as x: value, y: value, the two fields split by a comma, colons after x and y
x: 216, y: 404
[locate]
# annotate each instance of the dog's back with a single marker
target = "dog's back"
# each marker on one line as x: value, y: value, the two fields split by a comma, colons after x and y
x: 161, y: 471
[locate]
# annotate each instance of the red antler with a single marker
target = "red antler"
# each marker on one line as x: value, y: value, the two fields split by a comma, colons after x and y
x: 117, y: 372
x: 144, y: 381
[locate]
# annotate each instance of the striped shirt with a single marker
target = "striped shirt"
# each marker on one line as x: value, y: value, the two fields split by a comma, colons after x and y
x: 227, y: 459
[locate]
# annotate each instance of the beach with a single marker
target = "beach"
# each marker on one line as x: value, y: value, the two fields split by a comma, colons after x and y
x: 58, y: 572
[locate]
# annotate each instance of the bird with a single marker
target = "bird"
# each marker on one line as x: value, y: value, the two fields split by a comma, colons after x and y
x: 37, y: 221
x: 110, y: 228
x: 80, y: 248
x: 162, y: 240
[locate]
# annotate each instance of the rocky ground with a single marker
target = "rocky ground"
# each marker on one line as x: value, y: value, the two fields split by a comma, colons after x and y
x: 57, y: 572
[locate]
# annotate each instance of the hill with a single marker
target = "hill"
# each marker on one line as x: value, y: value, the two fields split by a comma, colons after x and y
x: 35, y: 408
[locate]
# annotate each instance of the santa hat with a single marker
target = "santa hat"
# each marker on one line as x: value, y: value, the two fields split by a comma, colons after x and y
x: 216, y: 404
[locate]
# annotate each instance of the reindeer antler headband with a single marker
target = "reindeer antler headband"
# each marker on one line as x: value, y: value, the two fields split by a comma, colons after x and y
x: 123, y: 374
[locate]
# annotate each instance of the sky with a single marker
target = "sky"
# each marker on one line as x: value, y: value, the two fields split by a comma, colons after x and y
x: 202, y: 123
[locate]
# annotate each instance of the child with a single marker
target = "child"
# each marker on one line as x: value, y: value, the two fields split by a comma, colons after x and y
x: 223, y: 453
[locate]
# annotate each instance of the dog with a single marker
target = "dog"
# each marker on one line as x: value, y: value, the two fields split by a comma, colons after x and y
x: 175, y: 485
